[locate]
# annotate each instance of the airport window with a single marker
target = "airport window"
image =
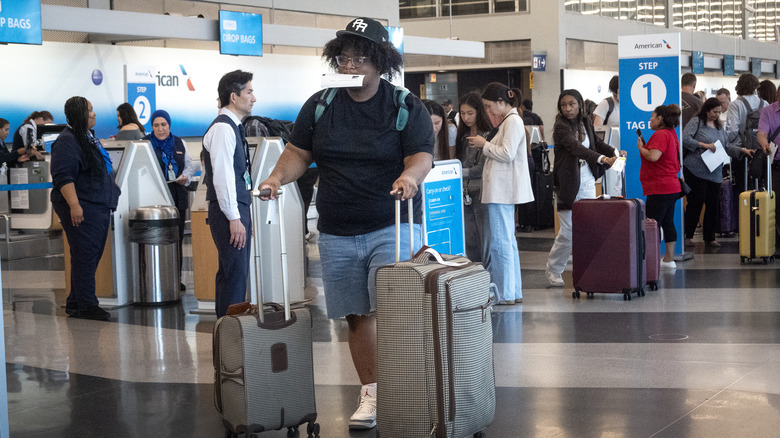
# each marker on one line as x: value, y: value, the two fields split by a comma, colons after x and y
x: 446, y: 8
x: 759, y: 18
x: 646, y: 11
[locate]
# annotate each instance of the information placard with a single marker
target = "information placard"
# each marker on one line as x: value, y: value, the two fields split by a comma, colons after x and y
x: 142, y: 92
x: 649, y: 77
x: 240, y: 33
x: 443, y: 208
x: 20, y: 21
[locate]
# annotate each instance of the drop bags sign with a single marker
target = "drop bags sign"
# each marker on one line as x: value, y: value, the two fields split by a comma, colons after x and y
x: 240, y: 33
x: 20, y: 21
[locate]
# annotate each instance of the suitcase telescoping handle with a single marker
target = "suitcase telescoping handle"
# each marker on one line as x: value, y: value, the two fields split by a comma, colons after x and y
x: 398, y: 195
x: 283, y: 250
x: 769, y: 161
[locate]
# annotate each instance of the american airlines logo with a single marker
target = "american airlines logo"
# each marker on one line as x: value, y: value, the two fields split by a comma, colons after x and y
x: 360, y: 25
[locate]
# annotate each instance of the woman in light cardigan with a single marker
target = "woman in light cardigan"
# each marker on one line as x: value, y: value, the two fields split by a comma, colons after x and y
x: 505, y: 182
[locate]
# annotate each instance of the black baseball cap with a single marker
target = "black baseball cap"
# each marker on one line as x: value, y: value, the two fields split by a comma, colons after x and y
x: 366, y: 28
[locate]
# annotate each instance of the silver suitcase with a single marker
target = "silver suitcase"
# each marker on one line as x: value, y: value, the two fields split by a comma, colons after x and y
x: 434, y: 347
x: 263, y: 364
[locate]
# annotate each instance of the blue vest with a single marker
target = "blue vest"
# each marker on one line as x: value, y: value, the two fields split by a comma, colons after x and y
x: 239, y: 166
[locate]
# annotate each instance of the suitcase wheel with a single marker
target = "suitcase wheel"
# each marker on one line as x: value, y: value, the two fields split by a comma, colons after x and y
x: 292, y: 431
x: 741, y: 260
x: 627, y: 296
x: 480, y: 434
x: 313, y: 430
x: 576, y: 296
x: 591, y: 295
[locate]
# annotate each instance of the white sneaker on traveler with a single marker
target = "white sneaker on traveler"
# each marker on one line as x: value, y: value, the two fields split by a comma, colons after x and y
x: 554, y: 279
x: 365, y: 415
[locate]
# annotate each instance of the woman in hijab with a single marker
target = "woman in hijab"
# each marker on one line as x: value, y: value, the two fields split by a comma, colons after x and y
x: 176, y: 166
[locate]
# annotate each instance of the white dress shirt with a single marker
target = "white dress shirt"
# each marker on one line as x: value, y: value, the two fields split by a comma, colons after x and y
x: 220, y: 142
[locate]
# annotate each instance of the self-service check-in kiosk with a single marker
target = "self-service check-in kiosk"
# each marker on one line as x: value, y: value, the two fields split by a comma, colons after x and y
x: 26, y: 215
x: 138, y: 176
x: 265, y: 152
x: 612, y: 181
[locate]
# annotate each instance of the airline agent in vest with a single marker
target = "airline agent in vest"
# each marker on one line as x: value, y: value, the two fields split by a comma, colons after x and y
x: 225, y: 156
x: 176, y: 166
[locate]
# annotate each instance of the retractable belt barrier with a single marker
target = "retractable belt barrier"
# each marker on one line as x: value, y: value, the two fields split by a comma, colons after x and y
x: 14, y: 187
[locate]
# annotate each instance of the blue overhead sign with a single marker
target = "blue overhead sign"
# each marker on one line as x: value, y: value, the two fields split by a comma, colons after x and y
x: 649, y: 69
x: 697, y: 62
x: 728, y: 65
x: 539, y: 61
x: 20, y: 21
x: 240, y: 33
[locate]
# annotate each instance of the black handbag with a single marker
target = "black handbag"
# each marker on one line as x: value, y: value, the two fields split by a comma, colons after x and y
x: 684, y: 188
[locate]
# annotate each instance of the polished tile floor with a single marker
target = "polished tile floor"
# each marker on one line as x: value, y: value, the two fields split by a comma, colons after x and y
x: 700, y: 357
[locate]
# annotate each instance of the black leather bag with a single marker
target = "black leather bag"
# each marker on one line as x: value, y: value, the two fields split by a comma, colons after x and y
x: 684, y: 188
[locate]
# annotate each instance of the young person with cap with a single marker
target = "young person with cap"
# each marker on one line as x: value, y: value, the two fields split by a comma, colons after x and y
x: 226, y: 175
x: 176, y: 166
x: 362, y: 158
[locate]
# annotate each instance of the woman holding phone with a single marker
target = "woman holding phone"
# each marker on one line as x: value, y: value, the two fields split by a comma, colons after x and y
x: 580, y: 159
x: 658, y: 174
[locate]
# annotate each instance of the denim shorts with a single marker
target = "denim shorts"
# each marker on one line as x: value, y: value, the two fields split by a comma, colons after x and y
x: 349, y: 265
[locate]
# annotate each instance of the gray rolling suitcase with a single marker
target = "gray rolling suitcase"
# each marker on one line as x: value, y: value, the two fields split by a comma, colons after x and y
x: 263, y: 364
x: 434, y: 347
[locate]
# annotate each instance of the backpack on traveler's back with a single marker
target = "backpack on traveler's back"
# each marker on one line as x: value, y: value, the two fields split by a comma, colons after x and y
x: 749, y: 135
x: 399, y: 98
x: 611, y: 103
x: 257, y: 126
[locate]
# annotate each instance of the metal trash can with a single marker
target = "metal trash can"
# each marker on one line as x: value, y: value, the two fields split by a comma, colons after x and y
x: 154, y: 238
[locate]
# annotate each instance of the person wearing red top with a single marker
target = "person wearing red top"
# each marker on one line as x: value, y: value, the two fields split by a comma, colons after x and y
x: 658, y: 174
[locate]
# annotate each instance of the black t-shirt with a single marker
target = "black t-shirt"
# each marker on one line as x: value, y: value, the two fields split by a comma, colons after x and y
x: 359, y: 154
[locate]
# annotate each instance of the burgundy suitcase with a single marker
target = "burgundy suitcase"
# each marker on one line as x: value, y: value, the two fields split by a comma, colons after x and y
x: 608, y: 246
x: 652, y: 253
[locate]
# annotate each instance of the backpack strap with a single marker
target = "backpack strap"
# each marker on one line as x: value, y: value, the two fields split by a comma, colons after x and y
x: 611, y: 103
x: 747, y: 104
x: 323, y: 101
x: 399, y: 96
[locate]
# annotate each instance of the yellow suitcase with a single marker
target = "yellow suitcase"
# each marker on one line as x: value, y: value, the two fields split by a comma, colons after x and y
x: 757, y: 224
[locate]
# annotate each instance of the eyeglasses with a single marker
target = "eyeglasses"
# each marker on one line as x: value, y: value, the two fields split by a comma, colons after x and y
x: 357, y: 61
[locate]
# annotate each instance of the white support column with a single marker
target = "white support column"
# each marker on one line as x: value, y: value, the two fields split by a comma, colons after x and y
x: 4, y: 432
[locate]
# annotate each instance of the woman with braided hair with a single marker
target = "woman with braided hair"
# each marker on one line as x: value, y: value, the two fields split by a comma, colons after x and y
x: 84, y: 195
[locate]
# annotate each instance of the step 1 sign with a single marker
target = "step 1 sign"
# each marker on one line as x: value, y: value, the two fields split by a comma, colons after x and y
x: 20, y: 21
x: 649, y: 69
x: 443, y: 208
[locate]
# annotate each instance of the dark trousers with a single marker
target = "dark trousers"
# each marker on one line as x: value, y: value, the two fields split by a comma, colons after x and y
x: 233, y: 272
x: 87, y: 242
x: 661, y: 208
x: 703, y: 193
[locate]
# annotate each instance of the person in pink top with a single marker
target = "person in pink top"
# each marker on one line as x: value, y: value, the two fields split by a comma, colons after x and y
x: 658, y: 174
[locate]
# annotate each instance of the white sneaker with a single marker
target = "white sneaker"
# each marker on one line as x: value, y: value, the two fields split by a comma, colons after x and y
x: 668, y: 265
x: 365, y: 415
x: 554, y: 279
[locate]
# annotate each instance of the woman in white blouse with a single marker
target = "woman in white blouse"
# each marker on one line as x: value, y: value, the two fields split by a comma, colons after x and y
x: 505, y: 182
